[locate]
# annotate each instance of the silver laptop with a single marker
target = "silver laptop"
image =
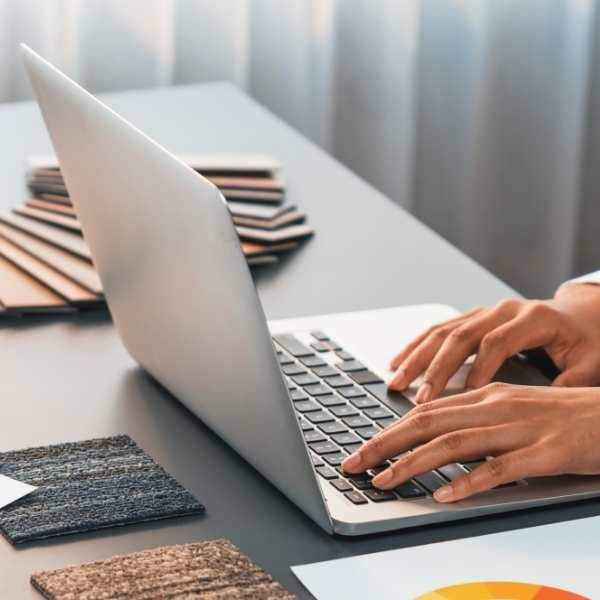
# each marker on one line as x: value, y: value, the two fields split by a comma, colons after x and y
x: 292, y: 397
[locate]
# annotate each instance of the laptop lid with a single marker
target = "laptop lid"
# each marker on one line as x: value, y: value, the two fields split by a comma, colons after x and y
x: 176, y: 282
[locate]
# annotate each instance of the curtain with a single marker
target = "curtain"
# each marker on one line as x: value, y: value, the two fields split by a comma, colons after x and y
x: 482, y: 117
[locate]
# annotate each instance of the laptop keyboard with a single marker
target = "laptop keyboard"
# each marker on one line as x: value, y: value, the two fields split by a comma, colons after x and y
x: 341, y: 406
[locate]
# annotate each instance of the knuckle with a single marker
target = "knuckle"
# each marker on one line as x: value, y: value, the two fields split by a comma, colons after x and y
x: 422, y: 420
x: 538, y: 309
x: 509, y: 305
x: 493, y: 340
x: 422, y: 408
x: 461, y: 335
x: 440, y: 334
x: 452, y: 441
x: 495, y: 387
x: 496, y: 468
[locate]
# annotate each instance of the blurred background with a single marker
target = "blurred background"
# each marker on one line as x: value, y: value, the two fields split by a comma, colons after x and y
x: 481, y: 117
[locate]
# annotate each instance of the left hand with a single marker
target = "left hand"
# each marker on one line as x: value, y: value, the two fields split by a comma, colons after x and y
x: 528, y: 432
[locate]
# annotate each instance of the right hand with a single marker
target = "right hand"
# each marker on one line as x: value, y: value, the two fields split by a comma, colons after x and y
x: 566, y: 327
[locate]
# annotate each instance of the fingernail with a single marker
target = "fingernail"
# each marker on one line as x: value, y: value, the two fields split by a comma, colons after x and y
x: 424, y: 393
x: 443, y: 494
x: 383, y: 478
x: 352, y: 462
x: 398, y: 380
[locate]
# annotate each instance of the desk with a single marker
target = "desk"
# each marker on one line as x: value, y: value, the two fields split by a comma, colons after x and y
x: 70, y: 379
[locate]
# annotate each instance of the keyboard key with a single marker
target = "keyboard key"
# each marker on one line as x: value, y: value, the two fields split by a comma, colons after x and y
x: 409, y: 489
x: 431, y: 481
x: 345, y: 438
x: 293, y: 369
x: 341, y: 485
x: 395, y: 400
x: 326, y: 371
x: 352, y: 447
x: 316, y: 460
x: 379, y: 468
x: 290, y: 343
x: 319, y: 335
x: 314, y: 436
x: 304, y: 425
x: 364, y: 377
x: 378, y: 413
x: 325, y: 346
x: 319, y: 417
x: 346, y: 410
x: 324, y: 448
x: 289, y: 384
x: 331, y: 400
x: 355, y: 497
x: 332, y: 427
x: 452, y: 471
x: 350, y: 365
x: 318, y: 389
x: 379, y: 495
x: 387, y: 421
x: 313, y: 361
x: 345, y: 355
x: 284, y: 359
x: 338, y: 381
x: 304, y: 406
x: 366, y: 433
x: 304, y: 380
x: 351, y: 392
x: 364, y: 402
x: 358, y: 421
x: 361, y: 482
x: 335, y: 460
x: 326, y: 472
x: 297, y: 394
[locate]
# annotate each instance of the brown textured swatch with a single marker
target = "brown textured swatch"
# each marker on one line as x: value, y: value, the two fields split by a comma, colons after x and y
x: 214, y: 570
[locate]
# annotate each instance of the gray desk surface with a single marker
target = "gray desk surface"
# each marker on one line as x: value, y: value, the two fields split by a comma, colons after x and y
x: 70, y: 379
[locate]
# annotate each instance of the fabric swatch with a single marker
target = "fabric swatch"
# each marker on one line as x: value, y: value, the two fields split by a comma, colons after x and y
x: 89, y: 485
x: 214, y: 570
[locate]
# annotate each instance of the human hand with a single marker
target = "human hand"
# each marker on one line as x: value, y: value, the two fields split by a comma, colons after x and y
x: 528, y: 431
x: 566, y: 327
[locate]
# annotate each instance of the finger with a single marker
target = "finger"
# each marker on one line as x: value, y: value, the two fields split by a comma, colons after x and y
x: 417, y: 429
x: 399, y: 358
x: 521, y: 333
x: 457, y: 347
x: 422, y: 355
x: 457, y: 446
x: 515, y: 465
x: 581, y: 375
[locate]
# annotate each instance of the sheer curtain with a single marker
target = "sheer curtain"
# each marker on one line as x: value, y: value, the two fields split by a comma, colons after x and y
x: 481, y: 117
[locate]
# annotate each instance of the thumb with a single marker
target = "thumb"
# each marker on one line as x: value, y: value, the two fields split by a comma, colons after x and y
x: 578, y: 376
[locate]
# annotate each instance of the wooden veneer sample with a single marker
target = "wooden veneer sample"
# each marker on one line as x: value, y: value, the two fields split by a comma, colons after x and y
x: 59, y: 237
x: 46, y: 217
x: 19, y: 291
x: 78, y: 269
x: 292, y: 232
x: 57, y: 282
x: 53, y: 207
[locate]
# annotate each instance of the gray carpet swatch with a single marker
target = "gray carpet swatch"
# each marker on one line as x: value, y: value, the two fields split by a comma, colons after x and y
x: 89, y: 485
x: 214, y: 570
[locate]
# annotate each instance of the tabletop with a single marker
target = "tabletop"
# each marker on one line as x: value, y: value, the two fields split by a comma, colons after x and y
x: 69, y: 378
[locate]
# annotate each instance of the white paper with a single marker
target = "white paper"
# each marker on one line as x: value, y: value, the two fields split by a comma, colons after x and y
x: 11, y: 490
x: 562, y: 555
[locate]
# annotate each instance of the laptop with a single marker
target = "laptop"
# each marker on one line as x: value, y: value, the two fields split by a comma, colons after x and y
x: 292, y: 397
